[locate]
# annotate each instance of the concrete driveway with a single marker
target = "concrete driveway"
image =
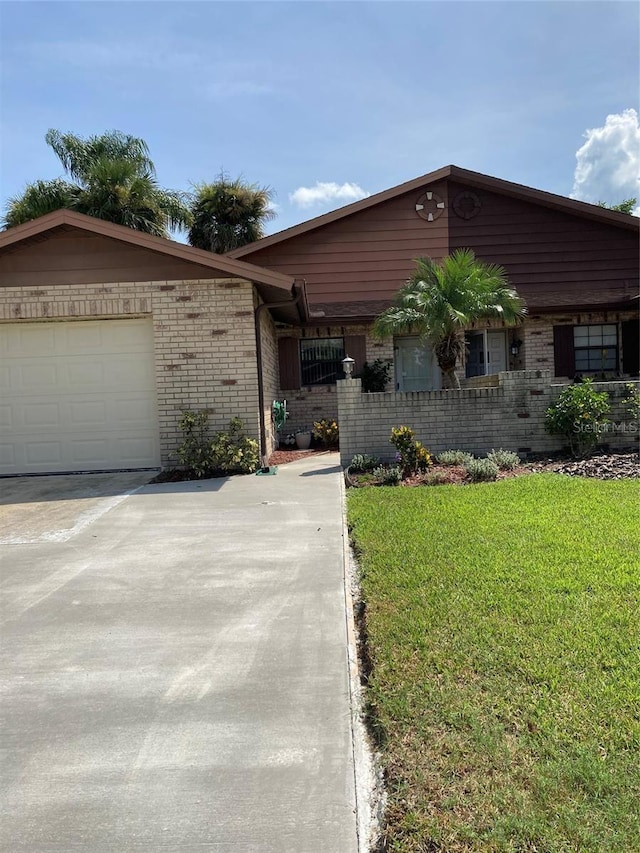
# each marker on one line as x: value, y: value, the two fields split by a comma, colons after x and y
x: 174, y: 666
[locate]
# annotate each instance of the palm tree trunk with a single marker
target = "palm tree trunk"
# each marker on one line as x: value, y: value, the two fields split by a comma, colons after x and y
x: 450, y: 379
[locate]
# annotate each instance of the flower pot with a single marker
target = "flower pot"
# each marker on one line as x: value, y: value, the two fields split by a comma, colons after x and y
x: 303, y: 440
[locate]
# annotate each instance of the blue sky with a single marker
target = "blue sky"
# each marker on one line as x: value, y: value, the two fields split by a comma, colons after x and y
x: 327, y: 101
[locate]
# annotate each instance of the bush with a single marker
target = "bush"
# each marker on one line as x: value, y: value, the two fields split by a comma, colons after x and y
x: 362, y: 462
x: 195, y: 451
x: 580, y: 415
x: 631, y: 400
x: 390, y: 476
x: 375, y: 375
x: 506, y: 460
x: 411, y: 454
x: 454, y: 457
x: 327, y: 432
x: 229, y: 452
x: 435, y: 478
x: 481, y: 470
x: 232, y: 452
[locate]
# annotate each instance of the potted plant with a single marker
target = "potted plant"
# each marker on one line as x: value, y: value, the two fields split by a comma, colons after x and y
x: 303, y: 438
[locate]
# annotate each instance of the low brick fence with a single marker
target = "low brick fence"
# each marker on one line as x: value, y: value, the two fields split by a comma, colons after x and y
x: 509, y: 414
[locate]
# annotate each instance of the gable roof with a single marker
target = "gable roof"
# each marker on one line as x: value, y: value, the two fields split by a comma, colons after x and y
x: 228, y: 267
x: 473, y: 179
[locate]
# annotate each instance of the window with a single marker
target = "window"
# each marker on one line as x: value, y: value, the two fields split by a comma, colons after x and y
x: 321, y: 360
x: 596, y: 348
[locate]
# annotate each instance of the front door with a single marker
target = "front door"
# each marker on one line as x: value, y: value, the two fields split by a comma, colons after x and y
x: 486, y: 352
x: 416, y: 366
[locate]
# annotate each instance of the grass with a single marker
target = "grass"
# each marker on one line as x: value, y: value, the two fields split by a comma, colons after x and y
x: 504, y: 633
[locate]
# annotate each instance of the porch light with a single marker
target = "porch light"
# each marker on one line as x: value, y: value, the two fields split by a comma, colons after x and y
x: 515, y: 346
x: 347, y: 366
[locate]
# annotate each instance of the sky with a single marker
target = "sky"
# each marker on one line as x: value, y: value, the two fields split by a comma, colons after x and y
x: 327, y: 102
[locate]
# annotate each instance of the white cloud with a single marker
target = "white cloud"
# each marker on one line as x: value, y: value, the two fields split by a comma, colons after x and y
x: 325, y: 192
x: 608, y: 164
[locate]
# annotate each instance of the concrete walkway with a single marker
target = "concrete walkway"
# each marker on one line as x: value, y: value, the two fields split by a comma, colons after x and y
x: 175, y: 673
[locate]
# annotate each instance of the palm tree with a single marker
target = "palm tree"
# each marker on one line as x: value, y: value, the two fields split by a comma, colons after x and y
x: 114, y: 179
x: 228, y: 214
x: 441, y: 300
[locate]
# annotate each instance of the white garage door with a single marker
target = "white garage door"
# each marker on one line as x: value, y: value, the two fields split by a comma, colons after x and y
x: 77, y: 396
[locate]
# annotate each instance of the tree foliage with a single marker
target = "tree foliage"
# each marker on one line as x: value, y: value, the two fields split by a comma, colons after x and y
x: 626, y: 206
x: 228, y: 214
x: 441, y: 300
x: 112, y: 178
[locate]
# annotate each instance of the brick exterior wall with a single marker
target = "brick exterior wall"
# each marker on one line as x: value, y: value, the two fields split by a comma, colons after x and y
x: 205, y: 348
x: 310, y: 404
x: 313, y: 403
x: 509, y: 415
x: 536, y: 334
x: 269, y: 374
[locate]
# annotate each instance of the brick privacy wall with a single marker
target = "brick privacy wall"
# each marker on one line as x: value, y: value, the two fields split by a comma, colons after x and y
x: 510, y: 416
x: 205, y: 349
x: 313, y: 403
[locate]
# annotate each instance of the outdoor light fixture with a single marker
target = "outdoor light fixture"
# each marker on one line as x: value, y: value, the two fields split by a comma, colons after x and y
x: 515, y: 347
x: 347, y: 366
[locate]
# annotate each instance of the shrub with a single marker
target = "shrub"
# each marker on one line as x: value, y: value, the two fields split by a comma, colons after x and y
x: 454, y: 457
x: 327, y: 432
x: 375, y: 375
x: 390, y: 476
x: 411, y: 454
x: 232, y: 452
x: 481, y: 470
x: 506, y: 460
x: 228, y: 453
x: 362, y: 462
x: 631, y: 400
x: 195, y: 451
x: 580, y: 415
x: 435, y: 478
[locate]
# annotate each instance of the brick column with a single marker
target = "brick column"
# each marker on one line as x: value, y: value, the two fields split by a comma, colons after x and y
x: 349, y: 417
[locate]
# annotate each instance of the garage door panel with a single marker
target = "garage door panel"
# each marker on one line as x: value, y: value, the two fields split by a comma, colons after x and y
x: 81, y: 396
x: 40, y: 415
x: 43, y: 452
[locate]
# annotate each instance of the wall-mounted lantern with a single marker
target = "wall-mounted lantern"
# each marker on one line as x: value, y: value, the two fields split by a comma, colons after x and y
x: 515, y: 346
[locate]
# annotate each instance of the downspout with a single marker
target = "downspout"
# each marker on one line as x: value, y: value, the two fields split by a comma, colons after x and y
x: 295, y: 300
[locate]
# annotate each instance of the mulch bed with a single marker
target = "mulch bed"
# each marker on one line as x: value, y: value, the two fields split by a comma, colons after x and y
x: 603, y: 466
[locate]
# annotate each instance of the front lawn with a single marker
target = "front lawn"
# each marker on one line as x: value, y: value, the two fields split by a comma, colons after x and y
x: 503, y: 625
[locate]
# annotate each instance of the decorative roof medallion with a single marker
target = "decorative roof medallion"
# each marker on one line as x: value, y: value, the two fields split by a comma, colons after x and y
x: 466, y: 205
x: 430, y: 206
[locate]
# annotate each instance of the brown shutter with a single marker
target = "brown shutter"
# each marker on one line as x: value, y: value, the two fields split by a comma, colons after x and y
x: 631, y: 347
x: 356, y: 347
x: 289, y: 361
x: 563, y: 351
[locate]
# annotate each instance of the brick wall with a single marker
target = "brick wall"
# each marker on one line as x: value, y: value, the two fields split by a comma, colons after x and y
x: 204, y: 338
x: 313, y: 403
x: 509, y: 415
x: 269, y: 373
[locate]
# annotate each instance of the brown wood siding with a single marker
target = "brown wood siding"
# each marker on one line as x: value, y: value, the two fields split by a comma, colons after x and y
x: 366, y: 256
x: 552, y: 258
x: 74, y: 257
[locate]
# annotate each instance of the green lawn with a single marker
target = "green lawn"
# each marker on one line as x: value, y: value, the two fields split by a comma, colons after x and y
x: 503, y: 625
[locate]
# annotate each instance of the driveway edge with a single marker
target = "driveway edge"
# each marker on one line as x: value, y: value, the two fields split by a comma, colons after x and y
x: 367, y: 779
